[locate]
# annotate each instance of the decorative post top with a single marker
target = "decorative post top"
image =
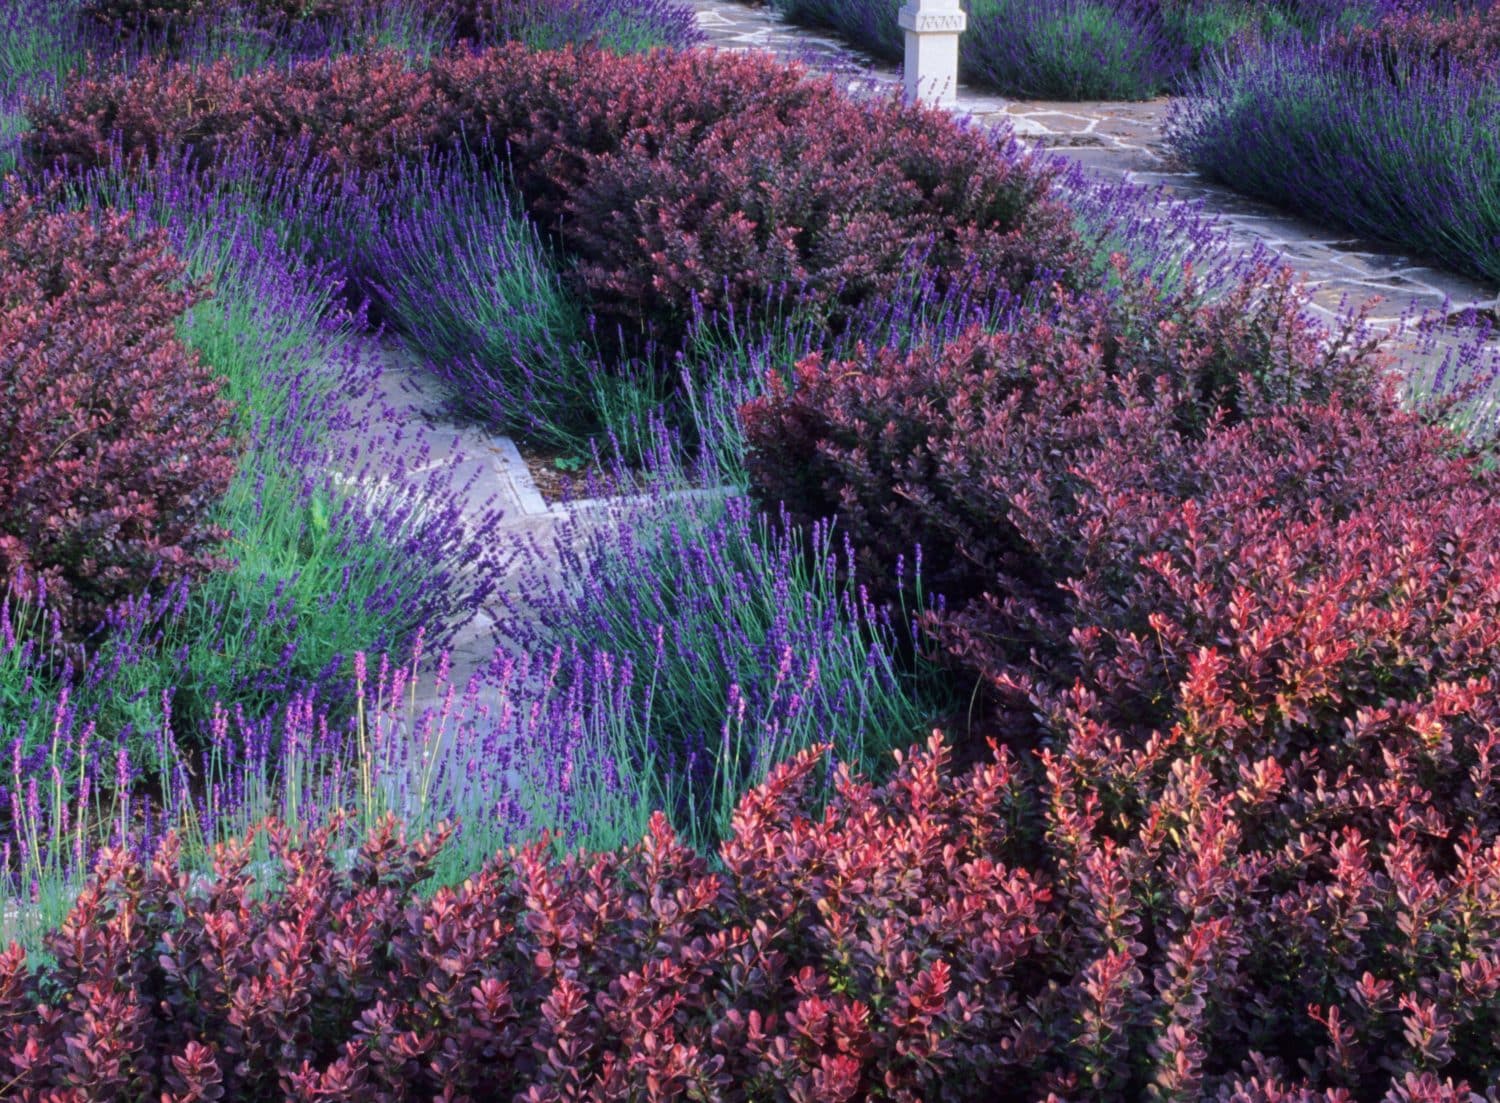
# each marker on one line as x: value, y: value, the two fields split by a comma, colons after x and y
x: 928, y: 17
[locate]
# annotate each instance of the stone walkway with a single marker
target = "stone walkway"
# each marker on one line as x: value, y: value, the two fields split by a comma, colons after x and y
x: 1124, y: 141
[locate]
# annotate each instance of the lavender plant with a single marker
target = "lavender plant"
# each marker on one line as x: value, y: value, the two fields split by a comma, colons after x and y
x: 258, y: 33
x: 1152, y: 237
x: 623, y: 26
x: 12, y: 130
x: 532, y: 745
x: 32, y: 657
x: 870, y: 24
x: 1098, y: 49
x: 41, y: 41
x: 750, y: 641
x: 1207, y: 26
x: 1335, y: 138
x: 1065, y: 49
x: 523, y: 749
x: 1074, y: 49
x: 475, y: 291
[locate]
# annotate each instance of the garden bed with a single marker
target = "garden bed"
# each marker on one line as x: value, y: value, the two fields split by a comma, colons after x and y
x: 894, y: 426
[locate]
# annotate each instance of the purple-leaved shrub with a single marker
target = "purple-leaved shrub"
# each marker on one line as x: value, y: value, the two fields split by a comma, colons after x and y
x: 117, y: 442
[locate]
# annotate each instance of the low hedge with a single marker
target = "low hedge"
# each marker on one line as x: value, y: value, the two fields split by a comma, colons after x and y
x: 1243, y: 607
x: 117, y: 440
x: 936, y: 938
x: 677, y: 181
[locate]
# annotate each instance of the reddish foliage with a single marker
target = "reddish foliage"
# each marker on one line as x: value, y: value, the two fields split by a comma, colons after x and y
x: 356, y: 111
x: 712, y: 177
x: 1249, y: 613
x: 678, y: 179
x: 869, y: 949
x: 965, y: 450
x: 158, y: 108
x: 115, y: 437
x: 1465, y: 41
x: 892, y: 946
x: 1099, y: 500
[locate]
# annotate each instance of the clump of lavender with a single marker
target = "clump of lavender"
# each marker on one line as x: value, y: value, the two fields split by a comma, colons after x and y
x: 1334, y: 138
x: 1159, y: 237
x: 1451, y: 370
x: 41, y: 41
x: 749, y: 640
x: 870, y: 24
x: 468, y: 281
x: 525, y: 747
x: 1074, y: 49
x: 623, y: 26
x: 33, y: 656
x: 1064, y: 49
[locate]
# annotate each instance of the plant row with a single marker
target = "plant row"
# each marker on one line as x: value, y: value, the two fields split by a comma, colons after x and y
x: 1100, y: 49
x: 1388, y: 131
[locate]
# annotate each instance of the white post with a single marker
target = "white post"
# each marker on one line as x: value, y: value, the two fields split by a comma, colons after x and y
x: 932, y: 28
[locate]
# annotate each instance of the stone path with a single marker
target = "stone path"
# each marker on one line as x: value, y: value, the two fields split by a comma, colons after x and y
x: 1124, y: 141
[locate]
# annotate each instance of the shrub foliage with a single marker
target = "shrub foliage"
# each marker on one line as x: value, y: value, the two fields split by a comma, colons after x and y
x: 116, y: 439
x: 971, y: 450
x: 1466, y: 40
x: 1242, y: 608
x: 636, y: 974
x: 899, y: 944
x: 679, y: 181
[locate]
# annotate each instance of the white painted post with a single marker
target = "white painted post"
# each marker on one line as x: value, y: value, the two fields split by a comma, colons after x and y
x: 932, y: 28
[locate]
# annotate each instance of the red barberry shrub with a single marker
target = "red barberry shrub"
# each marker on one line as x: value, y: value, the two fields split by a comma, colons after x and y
x: 679, y: 180
x: 956, y: 449
x: 893, y: 945
x: 869, y: 950
x: 1247, y: 611
x: 116, y: 443
x: 1055, y: 477
x: 158, y: 108
x: 356, y: 111
x: 1279, y: 728
x: 709, y: 178
x: 1466, y: 40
